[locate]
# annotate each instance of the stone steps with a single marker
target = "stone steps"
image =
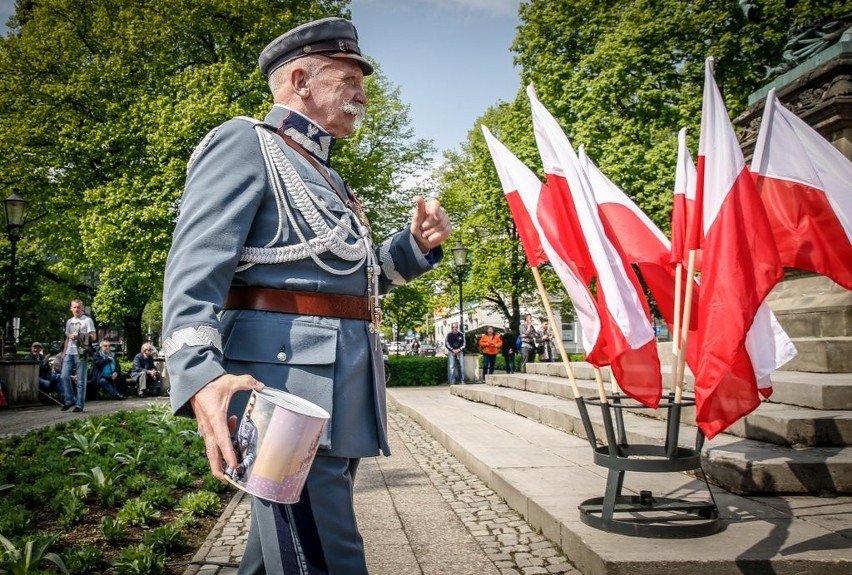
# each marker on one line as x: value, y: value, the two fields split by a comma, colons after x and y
x: 832, y: 391
x: 785, y: 425
x: 544, y: 474
x: 736, y: 464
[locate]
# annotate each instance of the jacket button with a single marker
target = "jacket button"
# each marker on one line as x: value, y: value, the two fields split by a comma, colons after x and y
x: 281, y: 356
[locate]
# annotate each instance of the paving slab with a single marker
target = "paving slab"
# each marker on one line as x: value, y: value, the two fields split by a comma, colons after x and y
x: 777, y: 533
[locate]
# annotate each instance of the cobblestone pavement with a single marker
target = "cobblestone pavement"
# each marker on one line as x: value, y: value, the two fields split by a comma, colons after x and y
x: 489, y: 537
x: 501, y: 532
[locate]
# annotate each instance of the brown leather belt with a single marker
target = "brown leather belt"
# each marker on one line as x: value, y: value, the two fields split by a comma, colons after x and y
x: 298, y: 302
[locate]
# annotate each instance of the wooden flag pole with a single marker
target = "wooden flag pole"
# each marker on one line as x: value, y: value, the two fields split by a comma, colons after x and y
x: 684, y: 330
x: 559, y: 344
x: 563, y: 355
x: 676, y: 324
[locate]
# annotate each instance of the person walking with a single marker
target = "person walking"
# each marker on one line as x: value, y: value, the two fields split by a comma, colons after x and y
x: 272, y: 279
x: 490, y: 343
x: 79, y: 334
x: 509, y: 349
x: 454, y: 343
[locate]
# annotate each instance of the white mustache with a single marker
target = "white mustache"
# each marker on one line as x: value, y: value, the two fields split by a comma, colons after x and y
x: 355, y: 109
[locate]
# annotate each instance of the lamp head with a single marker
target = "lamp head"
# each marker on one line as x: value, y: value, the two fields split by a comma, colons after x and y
x: 460, y: 255
x: 15, y: 207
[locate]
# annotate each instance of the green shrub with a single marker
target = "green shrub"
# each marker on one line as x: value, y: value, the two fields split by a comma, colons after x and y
x: 177, y: 476
x: 139, y: 559
x: 115, y: 529
x: 158, y: 495
x: 136, y: 483
x: 70, y: 503
x: 14, y: 520
x: 132, y: 460
x: 138, y: 512
x: 210, y: 483
x: 84, y: 560
x: 199, y: 503
x: 406, y: 371
x: 165, y: 539
x: 29, y: 558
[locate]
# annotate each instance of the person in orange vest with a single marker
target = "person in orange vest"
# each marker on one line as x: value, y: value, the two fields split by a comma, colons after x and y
x: 490, y: 343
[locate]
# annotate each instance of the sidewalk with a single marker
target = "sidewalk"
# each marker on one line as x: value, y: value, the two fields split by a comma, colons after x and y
x: 421, y: 512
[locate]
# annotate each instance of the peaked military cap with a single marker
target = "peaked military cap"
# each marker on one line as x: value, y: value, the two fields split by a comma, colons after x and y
x: 335, y: 37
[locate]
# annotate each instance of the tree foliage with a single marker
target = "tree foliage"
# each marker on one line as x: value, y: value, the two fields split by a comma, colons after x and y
x: 471, y: 191
x: 406, y: 307
x: 624, y: 77
x: 101, y: 104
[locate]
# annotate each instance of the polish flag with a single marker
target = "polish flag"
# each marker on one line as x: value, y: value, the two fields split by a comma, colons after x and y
x: 741, y: 266
x: 684, y: 199
x: 570, y: 222
x: 641, y: 242
x: 806, y: 186
x: 644, y: 245
x: 522, y: 189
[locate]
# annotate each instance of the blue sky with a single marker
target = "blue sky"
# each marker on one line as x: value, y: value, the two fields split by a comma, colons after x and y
x: 450, y: 58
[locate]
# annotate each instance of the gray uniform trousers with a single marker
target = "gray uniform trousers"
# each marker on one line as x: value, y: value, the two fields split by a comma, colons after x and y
x: 271, y: 547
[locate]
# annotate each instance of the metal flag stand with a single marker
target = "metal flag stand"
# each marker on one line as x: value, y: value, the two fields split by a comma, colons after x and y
x: 645, y: 515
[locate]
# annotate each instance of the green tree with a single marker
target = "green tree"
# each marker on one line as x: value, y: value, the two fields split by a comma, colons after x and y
x: 101, y: 104
x: 406, y: 307
x: 471, y: 191
x: 624, y: 77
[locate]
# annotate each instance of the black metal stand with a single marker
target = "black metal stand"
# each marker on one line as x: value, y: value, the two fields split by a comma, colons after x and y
x: 645, y: 515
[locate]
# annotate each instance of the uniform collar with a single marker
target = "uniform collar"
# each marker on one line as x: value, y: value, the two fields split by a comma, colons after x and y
x: 304, y: 131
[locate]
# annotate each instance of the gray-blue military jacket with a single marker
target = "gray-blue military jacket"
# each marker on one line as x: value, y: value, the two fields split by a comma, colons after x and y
x: 255, y: 212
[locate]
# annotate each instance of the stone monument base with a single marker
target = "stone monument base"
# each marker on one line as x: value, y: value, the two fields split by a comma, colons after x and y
x: 817, y: 315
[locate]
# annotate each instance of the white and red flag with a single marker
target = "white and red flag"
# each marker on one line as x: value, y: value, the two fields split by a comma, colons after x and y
x: 646, y: 246
x: 806, y: 186
x: 684, y: 199
x: 570, y: 222
x: 640, y: 240
x: 522, y: 189
x: 740, y: 267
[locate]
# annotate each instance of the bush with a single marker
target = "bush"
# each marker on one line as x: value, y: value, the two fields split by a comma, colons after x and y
x: 409, y: 370
x: 115, y: 530
x: 165, y: 539
x: 138, y: 512
x: 199, y: 503
x: 87, y: 559
x: 139, y: 559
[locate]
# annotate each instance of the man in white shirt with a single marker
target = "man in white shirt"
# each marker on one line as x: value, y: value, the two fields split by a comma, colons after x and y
x: 79, y: 333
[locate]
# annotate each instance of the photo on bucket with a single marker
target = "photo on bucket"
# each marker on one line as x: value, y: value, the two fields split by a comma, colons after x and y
x: 276, y: 442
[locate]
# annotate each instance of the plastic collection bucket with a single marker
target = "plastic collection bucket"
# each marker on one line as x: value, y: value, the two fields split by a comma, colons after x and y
x: 276, y: 443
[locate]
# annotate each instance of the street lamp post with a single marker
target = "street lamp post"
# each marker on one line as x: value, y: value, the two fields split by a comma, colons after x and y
x: 15, y: 207
x: 460, y: 259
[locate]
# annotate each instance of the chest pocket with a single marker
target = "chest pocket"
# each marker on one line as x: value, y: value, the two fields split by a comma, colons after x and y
x: 286, y: 353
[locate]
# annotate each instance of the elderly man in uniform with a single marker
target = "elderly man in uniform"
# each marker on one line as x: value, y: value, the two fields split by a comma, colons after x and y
x: 272, y: 279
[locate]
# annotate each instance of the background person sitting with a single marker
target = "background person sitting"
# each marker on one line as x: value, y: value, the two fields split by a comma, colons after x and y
x: 106, y: 371
x: 145, y: 373
x: 46, y: 383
